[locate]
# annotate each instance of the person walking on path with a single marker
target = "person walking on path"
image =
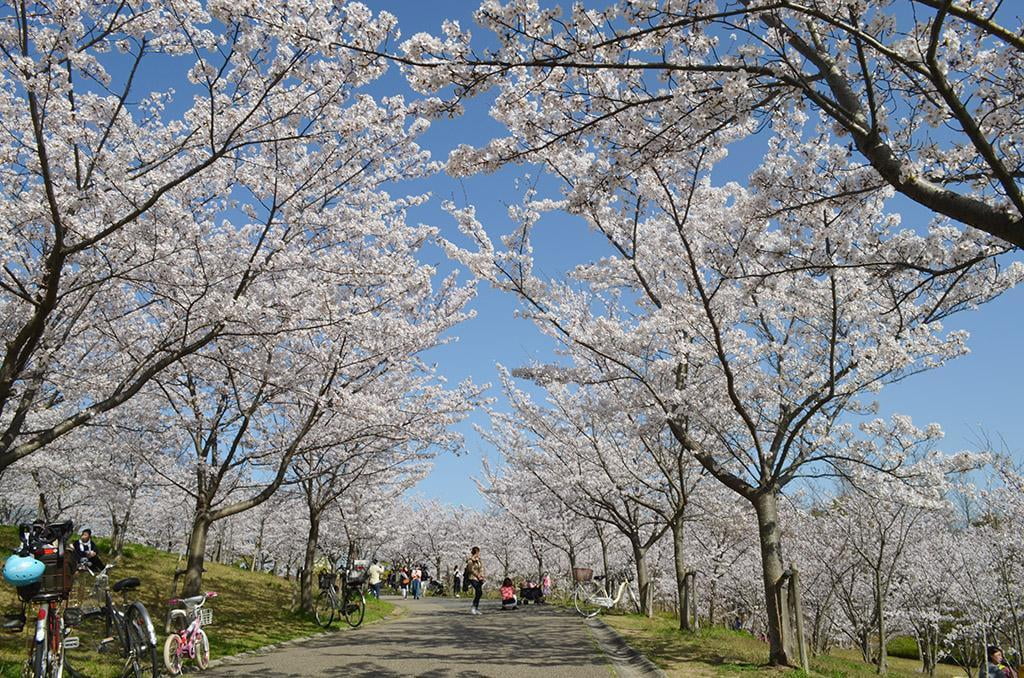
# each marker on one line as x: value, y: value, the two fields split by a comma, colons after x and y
x: 456, y: 583
x: 417, y: 582
x: 403, y: 582
x: 375, y: 572
x: 475, y: 577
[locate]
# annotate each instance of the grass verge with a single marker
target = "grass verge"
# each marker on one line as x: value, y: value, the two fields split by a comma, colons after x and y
x: 252, y: 610
x: 715, y: 652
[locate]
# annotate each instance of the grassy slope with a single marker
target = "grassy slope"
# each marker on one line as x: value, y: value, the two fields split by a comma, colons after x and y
x: 252, y: 610
x: 720, y: 652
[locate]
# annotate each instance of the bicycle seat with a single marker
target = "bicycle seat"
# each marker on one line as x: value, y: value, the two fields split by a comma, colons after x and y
x: 598, y: 577
x: 190, y: 602
x: 126, y: 584
x: 13, y: 623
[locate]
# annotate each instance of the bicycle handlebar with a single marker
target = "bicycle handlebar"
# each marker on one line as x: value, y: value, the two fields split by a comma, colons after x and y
x: 38, y: 534
x: 206, y: 596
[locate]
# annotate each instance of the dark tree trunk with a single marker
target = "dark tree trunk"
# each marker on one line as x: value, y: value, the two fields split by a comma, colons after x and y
x: 196, y: 557
x: 643, y: 581
x: 679, y: 558
x: 306, y: 580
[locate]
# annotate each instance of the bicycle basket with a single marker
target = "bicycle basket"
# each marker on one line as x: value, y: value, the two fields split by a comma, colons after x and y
x: 56, y: 580
x: 205, y: 616
x: 325, y: 580
x: 582, y: 574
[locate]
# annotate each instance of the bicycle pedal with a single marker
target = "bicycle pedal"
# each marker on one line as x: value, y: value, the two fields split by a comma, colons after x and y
x: 104, y: 644
x: 71, y: 642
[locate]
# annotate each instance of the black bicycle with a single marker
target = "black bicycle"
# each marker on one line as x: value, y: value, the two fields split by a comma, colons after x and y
x: 129, y: 631
x: 350, y: 599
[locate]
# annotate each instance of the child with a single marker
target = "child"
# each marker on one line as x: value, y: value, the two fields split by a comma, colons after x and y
x: 508, y: 595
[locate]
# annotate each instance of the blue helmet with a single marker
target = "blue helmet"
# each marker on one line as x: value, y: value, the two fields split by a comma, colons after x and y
x: 23, y: 570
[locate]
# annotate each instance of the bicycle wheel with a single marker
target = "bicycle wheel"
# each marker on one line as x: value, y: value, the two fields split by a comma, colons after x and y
x: 584, y: 598
x: 139, y: 640
x: 202, y: 650
x: 172, y: 654
x: 323, y: 609
x: 355, y: 607
x: 40, y: 655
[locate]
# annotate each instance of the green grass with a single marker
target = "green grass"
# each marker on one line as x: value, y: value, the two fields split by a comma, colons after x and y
x: 721, y: 652
x: 253, y: 609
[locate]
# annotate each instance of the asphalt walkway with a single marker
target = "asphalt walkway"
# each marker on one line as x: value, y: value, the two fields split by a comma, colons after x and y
x: 438, y: 638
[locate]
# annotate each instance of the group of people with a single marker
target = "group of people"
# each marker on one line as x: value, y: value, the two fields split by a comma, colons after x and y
x: 416, y: 578
x: 413, y: 579
x: 472, y: 577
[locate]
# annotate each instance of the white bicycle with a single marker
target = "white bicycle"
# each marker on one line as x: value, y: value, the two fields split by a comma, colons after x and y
x: 590, y: 597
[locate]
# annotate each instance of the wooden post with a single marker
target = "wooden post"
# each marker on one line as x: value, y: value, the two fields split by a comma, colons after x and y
x: 798, y: 614
x: 785, y: 618
x: 692, y: 588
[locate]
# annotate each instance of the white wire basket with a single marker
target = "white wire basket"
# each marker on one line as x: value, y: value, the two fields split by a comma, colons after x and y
x: 205, y: 616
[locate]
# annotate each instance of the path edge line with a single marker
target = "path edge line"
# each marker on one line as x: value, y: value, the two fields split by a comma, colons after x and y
x: 621, y: 653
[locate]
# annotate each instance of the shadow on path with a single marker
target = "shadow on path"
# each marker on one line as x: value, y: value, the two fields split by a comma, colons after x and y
x: 438, y: 638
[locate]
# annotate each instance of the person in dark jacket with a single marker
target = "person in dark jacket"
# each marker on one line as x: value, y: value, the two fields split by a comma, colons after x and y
x: 85, y: 549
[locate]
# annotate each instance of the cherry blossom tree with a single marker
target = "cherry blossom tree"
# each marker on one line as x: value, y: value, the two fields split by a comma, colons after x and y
x: 593, y: 461
x: 385, y: 440
x: 754, y: 318
x: 925, y: 90
x: 142, y: 225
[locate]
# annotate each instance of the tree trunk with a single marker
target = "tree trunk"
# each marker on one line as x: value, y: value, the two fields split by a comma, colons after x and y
x: 353, y: 553
x: 306, y: 580
x: 604, y: 553
x: 880, y: 613
x: 767, y: 509
x: 117, y: 543
x: 678, y: 555
x: 643, y: 581
x: 257, y: 547
x: 196, y: 556
x: 864, y: 640
x: 712, y: 601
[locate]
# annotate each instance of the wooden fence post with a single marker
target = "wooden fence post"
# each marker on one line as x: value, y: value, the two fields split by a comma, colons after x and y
x: 798, y: 615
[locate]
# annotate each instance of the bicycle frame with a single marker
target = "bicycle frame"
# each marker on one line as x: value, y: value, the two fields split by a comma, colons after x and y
x: 187, y: 648
x: 49, y: 642
x: 597, y: 597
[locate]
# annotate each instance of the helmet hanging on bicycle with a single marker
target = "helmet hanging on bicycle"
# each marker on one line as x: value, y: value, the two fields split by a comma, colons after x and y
x: 23, y: 570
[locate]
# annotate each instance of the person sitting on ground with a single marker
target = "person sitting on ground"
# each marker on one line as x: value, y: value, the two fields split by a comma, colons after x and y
x: 85, y: 549
x: 531, y: 593
x: 508, y: 595
x: 997, y: 666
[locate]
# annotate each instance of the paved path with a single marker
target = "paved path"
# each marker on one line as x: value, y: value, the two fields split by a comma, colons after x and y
x: 438, y: 638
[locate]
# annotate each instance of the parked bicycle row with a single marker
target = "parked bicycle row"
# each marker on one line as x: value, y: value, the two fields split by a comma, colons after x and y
x: 69, y: 587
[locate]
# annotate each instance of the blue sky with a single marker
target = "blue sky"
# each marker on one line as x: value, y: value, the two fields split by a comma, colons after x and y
x: 973, y: 397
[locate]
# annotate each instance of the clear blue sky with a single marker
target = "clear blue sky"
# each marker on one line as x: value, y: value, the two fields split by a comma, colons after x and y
x: 974, y: 395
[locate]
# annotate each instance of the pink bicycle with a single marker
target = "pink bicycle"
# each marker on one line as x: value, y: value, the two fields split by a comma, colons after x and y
x: 185, y: 636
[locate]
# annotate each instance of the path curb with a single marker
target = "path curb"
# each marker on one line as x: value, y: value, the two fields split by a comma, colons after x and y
x: 398, y: 611
x: 628, y: 662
